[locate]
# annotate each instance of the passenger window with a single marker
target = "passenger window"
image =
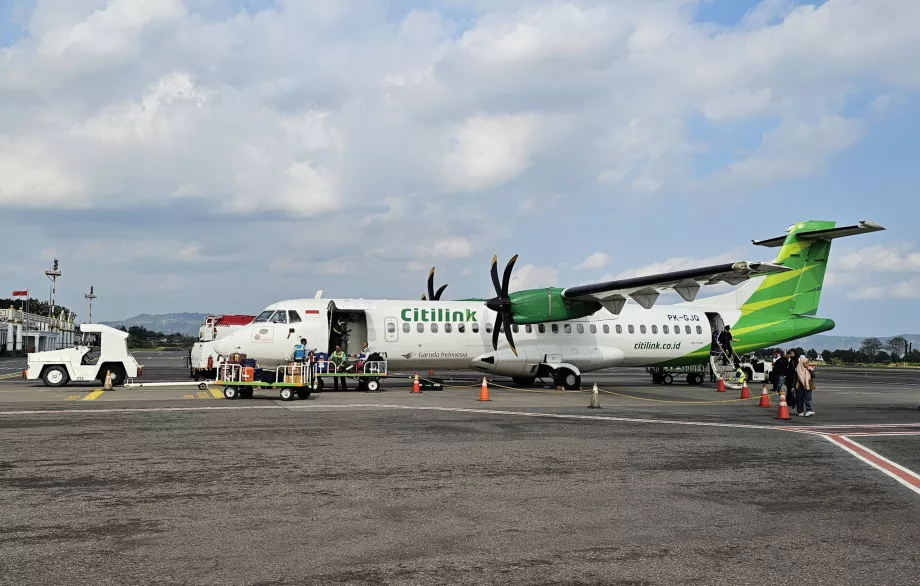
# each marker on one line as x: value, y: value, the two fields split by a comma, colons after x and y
x: 699, y: 330
x: 475, y: 328
x: 580, y: 328
x: 606, y: 329
x: 654, y: 329
x: 501, y: 328
x: 632, y: 329
x: 434, y: 327
x: 406, y: 327
x: 461, y: 328
x: 447, y: 328
x: 528, y: 328
x: 488, y: 328
x: 541, y: 328
x: 420, y: 327
x: 687, y: 329
x: 555, y: 328
x: 514, y: 328
x: 391, y: 328
x: 293, y: 317
x: 568, y: 328
x: 593, y: 329
x: 619, y: 329
x: 664, y: 329
x: 641, y: 329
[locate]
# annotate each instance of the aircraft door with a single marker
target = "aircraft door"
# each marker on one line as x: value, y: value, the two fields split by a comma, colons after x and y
x: 594, y: 357
x: 391, y: 329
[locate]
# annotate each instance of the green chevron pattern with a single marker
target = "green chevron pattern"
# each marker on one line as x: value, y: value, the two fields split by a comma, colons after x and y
x: 782, y: 307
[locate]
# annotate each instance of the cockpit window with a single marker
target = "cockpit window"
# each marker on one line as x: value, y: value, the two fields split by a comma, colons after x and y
x: 280, y: 317
x: 293, y: 317
x: 263, y: 317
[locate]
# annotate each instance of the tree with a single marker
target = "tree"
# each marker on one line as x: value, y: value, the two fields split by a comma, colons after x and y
x: 870, y: 348
x: 812, y: 354
x: 897, y: 346
x: 827, y: 355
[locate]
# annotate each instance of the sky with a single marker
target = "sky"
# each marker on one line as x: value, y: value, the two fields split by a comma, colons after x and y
x: 220, y: 155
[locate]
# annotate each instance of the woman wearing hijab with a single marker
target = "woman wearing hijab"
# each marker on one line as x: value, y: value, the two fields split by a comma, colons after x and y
x: 804, y: 385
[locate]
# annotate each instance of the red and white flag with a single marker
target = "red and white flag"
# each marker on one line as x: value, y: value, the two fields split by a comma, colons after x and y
x: 21, y: 293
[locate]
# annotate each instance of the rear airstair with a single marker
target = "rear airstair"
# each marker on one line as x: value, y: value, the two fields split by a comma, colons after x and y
x: 734, y: 377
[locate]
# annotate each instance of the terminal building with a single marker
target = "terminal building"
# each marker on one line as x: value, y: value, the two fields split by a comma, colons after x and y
x: 22, y: 332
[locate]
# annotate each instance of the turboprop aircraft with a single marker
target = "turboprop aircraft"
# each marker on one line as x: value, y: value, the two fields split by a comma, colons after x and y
x: 561, y: 333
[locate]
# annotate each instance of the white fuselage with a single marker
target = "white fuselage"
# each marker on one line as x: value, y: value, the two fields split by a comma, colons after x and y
x: 457, y: 335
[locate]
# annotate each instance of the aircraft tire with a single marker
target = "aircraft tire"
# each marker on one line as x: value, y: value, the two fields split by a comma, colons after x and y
x: 567, y: 379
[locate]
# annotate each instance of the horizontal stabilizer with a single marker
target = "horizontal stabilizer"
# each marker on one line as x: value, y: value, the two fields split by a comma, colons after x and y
x: 863, y: 227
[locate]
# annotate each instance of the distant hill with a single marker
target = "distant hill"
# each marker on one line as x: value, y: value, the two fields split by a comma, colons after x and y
x: 167, y: 323
x: 823, y: 342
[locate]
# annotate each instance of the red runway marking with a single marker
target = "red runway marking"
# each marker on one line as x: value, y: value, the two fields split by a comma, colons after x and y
x: 906, y: 477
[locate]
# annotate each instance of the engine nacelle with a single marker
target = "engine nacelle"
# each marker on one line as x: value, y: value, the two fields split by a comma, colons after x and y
x: 533, y: 306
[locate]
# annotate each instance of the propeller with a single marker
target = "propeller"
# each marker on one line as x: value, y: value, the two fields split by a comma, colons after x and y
x: 501, y: 303
x: 431, y: 292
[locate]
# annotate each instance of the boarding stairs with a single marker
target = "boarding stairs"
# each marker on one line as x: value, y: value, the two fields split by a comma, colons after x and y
x: 733, y: 376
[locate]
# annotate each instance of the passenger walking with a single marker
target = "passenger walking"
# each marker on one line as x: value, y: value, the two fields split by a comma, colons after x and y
x: 725, y: 340
x: 777, y: 374
x: 805, y: 385
x: 788, y: 374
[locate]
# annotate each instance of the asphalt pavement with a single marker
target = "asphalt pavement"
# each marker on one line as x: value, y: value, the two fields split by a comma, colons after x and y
x: 662, y: 485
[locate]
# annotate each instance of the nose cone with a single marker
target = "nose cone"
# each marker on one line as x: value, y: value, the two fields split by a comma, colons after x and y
x: 230, y: 344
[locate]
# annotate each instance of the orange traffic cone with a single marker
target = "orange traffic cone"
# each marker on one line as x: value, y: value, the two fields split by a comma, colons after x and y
x: 721, y: 387
x: 764, y: 397
x: 745, y: 393
x: 415, y: 386
x: 484, y: 391
x: 107, y: 384
x: 783, y: 412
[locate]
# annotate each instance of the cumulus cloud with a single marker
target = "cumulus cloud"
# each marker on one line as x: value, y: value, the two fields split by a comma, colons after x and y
x: 373, y: 135
x: 532, y: 276
x: 595, y: 261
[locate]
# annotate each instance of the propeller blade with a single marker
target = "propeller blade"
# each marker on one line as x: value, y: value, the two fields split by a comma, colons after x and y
x: 431, y: 285
x: 495, y: 275
x: 496, y: 330
x: 437, y: 296
x: 506, y: 278
x: 508, y: 334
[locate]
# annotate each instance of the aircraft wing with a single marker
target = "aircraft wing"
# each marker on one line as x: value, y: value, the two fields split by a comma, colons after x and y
x: 646, y: 289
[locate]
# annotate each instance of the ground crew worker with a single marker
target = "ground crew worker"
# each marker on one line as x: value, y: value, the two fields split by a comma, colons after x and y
x: 363, y: 355
x: 300, y: 351
x: 338, y: 358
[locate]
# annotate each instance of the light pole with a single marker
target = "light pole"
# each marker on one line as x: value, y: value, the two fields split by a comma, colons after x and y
x: 90, y: 296
x: 53, y: 274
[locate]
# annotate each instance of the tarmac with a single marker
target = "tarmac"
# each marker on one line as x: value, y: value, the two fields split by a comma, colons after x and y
x: 662, y: 485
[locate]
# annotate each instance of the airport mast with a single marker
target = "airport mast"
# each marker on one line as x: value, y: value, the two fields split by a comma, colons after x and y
x: 90, y: 296
x: 53, y: 274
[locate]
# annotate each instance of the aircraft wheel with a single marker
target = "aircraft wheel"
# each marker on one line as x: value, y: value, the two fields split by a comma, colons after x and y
x: 287, y: 394
x: 231, y: 393
x: 567, y: 379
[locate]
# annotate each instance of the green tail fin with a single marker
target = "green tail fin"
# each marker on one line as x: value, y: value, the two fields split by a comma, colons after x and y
x: 798, y: 291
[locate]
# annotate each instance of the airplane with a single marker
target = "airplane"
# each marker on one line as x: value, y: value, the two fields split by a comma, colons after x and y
x: 562, y: 333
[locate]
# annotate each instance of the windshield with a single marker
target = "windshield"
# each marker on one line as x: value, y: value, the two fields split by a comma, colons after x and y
x: 263, y: 317
x: 89, y: 339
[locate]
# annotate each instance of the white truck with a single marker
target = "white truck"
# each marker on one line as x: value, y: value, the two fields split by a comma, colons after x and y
x: 101, y: 349
x: 202, y: 358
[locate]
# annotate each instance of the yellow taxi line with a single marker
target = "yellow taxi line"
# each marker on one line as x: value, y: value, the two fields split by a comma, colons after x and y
x: 93, y: 396
x: 217, y: 393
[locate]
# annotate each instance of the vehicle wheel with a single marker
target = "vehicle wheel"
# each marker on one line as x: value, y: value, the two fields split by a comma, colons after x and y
x: 567, y: 379
x: 303, y: 394
x: 118, y: 374
x: 203, y: 387
x: 287, y: 394
x: 524, y: 381
x: 667, y: 379
x: 55, y: 376
x: 372, y: 385
x: 319, y: 385
x: 231, y: 393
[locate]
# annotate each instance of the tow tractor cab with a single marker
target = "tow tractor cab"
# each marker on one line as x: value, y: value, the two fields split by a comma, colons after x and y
x: 100, y: 349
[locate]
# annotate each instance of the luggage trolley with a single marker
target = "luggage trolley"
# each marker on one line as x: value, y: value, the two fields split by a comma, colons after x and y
x: 367, y: 372
x: 239, y: 382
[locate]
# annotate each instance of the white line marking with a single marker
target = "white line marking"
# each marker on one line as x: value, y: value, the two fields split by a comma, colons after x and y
x: 906, y: 477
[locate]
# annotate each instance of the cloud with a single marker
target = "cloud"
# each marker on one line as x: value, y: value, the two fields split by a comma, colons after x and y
x: 677, y: 263
x: 303, y: 136
x: 880, y: 258
x: 909, y: 289
x: 595, y: 261
x: 532, y: 276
